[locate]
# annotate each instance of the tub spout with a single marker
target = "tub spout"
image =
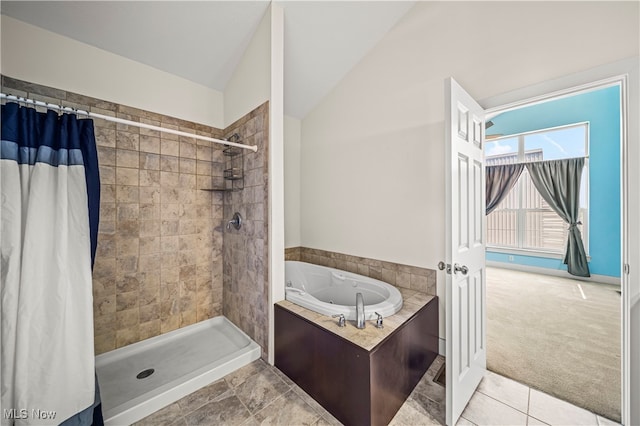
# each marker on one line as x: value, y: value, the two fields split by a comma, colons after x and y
x: 359, y: 310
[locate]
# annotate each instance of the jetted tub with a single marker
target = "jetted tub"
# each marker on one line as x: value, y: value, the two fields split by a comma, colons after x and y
x: 330, y: 291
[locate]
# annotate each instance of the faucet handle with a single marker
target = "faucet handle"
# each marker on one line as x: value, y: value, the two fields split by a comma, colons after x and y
x: 342, y: 321
x: 379, y: 321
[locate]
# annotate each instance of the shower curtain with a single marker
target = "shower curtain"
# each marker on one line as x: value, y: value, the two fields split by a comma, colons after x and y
x: 50, y: 195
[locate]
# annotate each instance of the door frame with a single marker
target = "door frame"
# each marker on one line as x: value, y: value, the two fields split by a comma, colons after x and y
x: 624, y: 73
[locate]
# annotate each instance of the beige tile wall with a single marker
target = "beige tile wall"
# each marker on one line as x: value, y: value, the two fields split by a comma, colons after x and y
x: 405, y: 276
x: 159, y: 258
x: 246, y: 265
x: 293, y: 253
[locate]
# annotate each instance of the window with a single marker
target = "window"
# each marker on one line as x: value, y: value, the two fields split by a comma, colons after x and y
x: 523, y: 220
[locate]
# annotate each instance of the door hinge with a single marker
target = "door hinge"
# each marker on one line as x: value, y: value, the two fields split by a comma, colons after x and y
x: 625, y: 268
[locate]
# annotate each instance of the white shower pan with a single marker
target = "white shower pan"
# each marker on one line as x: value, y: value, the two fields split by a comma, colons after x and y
x: 183, y: 361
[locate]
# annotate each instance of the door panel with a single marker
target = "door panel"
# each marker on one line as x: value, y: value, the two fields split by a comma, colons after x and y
x: 478, y: 197
x: 463, y: 197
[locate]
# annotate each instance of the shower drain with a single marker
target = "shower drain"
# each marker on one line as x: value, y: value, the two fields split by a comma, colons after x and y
x: 145, y: 373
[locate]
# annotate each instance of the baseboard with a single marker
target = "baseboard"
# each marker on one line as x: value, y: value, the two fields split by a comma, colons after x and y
x: 442, y: 347
x: 605, y: 279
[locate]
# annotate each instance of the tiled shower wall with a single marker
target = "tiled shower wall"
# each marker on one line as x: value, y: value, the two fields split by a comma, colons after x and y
x: 246, y: 266
x: 159, y: 260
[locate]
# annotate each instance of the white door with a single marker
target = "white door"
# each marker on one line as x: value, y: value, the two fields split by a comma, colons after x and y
x: 466, y: 358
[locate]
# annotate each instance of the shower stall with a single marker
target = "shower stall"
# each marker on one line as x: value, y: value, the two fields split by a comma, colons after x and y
x: 179, y: 299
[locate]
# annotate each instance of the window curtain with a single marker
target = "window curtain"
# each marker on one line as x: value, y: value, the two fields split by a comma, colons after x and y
x: 50, y: 194
x: 558, y: 182
x: 500, y: 180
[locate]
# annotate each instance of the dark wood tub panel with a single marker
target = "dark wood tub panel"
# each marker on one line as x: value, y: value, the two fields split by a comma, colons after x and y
x: 397, y: 367
x: 330, y: 369
x: 357, y: 386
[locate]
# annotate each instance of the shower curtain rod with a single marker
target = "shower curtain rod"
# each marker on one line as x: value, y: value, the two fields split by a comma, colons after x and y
x: 47, y: 105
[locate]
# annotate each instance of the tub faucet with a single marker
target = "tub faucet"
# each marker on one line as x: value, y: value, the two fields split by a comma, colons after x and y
x: 359, y: 310
x: 342, y: 321
x: 379, y: 321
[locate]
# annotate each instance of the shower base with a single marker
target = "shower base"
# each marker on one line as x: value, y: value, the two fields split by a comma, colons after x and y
x: 170, y: 366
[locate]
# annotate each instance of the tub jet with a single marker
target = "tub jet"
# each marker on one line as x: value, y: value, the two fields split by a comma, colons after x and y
x: 145, y: 373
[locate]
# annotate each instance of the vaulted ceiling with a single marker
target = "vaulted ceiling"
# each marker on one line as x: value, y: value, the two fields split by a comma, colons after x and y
x: 203, y: 41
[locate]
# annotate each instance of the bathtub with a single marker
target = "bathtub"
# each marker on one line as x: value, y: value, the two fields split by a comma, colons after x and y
x: 330, y: 291
x: 182, y: 360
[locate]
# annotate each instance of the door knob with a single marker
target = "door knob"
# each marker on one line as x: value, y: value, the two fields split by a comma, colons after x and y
x: 442, y: 266
x: 458, y: 268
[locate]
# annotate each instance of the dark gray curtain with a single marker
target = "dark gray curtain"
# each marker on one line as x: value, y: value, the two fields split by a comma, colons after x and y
x: 558, y: 182
x: 500, y: 180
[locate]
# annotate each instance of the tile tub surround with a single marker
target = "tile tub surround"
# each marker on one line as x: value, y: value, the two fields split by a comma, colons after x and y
x: 370, y: 336
x: 293, y: 253
x: 159, y: 258
x: 399, y: 275
x: 245, y: 251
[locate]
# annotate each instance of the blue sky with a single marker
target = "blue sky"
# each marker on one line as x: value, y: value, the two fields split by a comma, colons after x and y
x: 566, y: 142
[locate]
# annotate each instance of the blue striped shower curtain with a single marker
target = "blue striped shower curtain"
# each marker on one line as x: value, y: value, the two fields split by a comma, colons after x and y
x: 50, y: 195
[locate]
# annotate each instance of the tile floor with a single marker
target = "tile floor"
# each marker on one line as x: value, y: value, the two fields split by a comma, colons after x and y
x: 502, y: 401
x: 255, y: 394
x: 259, y: 394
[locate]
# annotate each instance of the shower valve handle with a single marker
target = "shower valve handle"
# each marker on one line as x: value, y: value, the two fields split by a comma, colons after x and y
x: 236, y: 221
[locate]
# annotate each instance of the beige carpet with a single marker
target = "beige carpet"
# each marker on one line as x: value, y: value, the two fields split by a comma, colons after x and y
x: 543, y: 333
